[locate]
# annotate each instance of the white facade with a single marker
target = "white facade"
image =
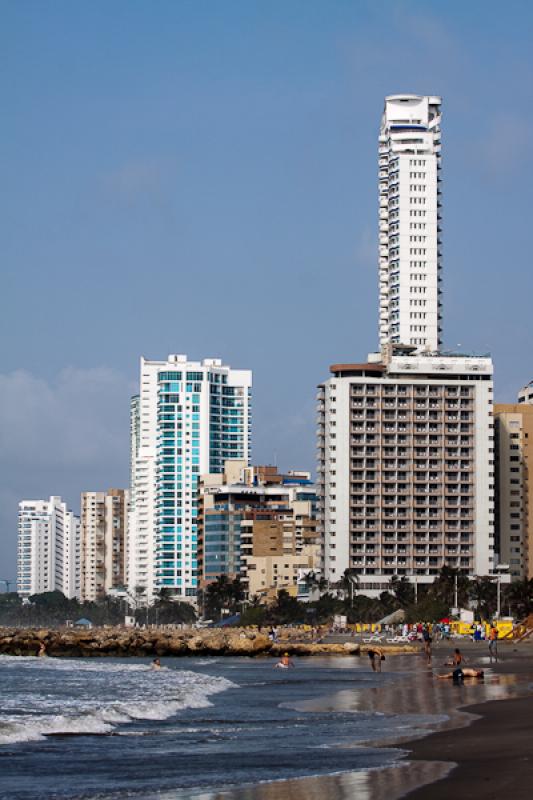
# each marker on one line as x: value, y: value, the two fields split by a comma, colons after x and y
x: 406, y: 469
x: 189, y: 419
x: 409, y: 222
x: 48, y: 548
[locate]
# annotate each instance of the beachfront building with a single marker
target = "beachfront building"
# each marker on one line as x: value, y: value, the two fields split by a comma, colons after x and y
x: 514, y: 487
x: 104, y: 521
x: 406, y: 468
x: 189, y: 418
x: 48, y: 548
x: 225, y: 501
x: 410, y: 222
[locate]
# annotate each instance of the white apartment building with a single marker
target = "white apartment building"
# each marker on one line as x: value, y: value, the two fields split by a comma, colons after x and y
x: 409, y: 222
x: 104, y: 521
x: 189, y: 418
x: 48, y: 548
x: 406, y: 468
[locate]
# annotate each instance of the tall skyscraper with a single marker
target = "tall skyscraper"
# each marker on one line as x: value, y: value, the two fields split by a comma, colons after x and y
x: 406, y: 440
x: 48, y: 548
x: 189, y: 419
x: 104, y: 520
x: 410, y: 222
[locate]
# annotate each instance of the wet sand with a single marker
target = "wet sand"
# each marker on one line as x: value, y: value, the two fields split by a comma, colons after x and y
x: 493, y: 756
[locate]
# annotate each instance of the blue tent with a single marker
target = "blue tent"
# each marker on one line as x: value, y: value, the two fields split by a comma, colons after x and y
x: 83, y: 623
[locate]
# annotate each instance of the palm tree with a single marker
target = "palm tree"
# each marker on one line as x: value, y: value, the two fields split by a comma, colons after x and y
x: 403, y: 590
x: 520, y: 597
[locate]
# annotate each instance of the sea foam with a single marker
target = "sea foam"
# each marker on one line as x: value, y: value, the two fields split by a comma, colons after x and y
x: 44, y: 697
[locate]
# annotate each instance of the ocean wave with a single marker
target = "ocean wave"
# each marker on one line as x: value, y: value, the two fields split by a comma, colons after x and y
x: 72, y: 697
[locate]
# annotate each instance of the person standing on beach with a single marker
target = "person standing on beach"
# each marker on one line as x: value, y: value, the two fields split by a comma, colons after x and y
x: 427, y: 644
x: 493, y: 642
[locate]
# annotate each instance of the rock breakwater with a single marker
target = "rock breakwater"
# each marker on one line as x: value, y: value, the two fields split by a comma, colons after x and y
x: 123, y: 642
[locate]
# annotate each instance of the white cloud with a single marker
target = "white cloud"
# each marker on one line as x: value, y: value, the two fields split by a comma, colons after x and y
x: 59, y: 436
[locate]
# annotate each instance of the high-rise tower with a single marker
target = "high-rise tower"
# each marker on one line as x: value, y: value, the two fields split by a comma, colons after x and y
x: 409, y: 222
x: 189, y: 419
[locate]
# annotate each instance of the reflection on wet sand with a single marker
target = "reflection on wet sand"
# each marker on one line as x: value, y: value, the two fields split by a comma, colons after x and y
x: 378, y: 784
x: 419, y: 692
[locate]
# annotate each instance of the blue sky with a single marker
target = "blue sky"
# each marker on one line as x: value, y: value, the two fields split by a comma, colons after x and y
x: 200, y: 177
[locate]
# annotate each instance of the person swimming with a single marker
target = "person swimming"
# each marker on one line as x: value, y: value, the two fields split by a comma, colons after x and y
x: 156, y: 664
x: 285, y: 662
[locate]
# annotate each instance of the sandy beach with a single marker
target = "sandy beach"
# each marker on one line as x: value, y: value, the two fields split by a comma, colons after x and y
x: 482, y: 748
x: 493, y: 756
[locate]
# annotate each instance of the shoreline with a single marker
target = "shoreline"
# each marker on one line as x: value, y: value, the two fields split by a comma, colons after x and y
x: 481, y: 750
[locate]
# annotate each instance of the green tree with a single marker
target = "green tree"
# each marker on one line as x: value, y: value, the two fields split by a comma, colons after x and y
x: 403, y: 590
x: 443, y: 588
x: 286, y: 610
x: 519, y: 596
x: 483, y: 597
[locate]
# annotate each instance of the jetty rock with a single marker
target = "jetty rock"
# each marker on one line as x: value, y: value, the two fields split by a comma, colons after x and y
x: 169, y: 641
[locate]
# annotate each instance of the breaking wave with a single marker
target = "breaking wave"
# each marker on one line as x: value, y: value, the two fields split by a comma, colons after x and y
x: 72, y: 696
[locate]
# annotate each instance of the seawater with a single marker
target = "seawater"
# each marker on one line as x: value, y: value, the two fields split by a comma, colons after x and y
x: 109, y: 729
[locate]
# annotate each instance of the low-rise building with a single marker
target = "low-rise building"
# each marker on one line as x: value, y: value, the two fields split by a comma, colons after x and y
x: 231, y: 509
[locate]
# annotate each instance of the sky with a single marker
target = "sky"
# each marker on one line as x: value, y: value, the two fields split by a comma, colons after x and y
x: 201, y: 177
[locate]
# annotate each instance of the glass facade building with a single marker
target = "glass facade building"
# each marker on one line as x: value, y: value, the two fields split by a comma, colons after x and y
x: 193, y: 416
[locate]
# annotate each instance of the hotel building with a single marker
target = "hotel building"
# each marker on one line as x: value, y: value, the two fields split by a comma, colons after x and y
x: 104, y: 521
x: 189, y: 418
x: 406, y: 468
x: 48, y: 548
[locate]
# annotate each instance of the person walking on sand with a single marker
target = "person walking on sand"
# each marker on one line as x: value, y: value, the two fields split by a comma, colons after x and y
x: 493, y: 642
x: 376, y: 657
x: 427, y: 644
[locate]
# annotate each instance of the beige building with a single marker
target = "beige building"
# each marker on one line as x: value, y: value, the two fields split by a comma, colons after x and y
x: 406, y: 468
x: 514, y: 496
x: 104, y: 520
x: 240, y: 510
x: 279, y: 548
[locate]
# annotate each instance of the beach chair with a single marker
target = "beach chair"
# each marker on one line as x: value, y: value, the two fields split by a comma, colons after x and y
x: 376, y: 637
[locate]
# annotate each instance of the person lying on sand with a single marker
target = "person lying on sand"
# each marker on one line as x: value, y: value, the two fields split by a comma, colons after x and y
x: 463, y: 672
